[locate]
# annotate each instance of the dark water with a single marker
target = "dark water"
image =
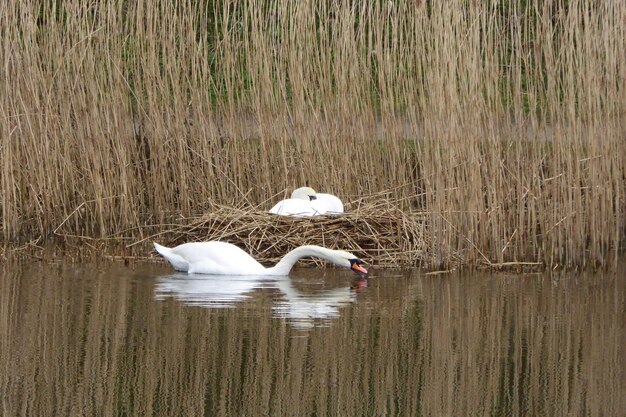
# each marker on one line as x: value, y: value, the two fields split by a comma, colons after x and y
x: 140, y: 341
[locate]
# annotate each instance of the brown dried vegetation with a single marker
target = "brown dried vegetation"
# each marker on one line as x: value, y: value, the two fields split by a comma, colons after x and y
x: 501, y: 124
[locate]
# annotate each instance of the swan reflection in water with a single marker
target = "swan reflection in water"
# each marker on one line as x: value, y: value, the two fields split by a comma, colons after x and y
x: 306, y: 310
x: 212, y: 291
x: 302, y: 310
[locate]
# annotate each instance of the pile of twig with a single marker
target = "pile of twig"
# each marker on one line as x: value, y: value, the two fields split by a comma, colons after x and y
x: 379, y: 233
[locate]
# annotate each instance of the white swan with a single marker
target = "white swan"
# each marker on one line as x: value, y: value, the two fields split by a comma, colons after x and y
x: 305, y: 201
x: 221, y: 258
x: 298, y: 205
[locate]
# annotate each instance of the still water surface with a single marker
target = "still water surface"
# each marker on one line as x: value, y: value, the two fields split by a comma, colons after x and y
x: 108, y: 340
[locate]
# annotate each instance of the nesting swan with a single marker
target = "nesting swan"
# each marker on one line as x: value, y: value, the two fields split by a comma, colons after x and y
x: 221, y: 258
x: 298, y: 205
x: 327, y: 204
x: 305, y: 201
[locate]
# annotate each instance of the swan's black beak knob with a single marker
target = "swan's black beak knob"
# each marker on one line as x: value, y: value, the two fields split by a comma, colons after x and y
x: 357, y: 266
x: 312, y: 197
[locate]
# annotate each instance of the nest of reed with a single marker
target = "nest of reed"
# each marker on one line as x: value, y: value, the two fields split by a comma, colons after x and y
x: 377, y: 232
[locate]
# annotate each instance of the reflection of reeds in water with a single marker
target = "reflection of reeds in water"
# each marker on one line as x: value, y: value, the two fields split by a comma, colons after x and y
x: 433, y: 346
x: 504, y: 121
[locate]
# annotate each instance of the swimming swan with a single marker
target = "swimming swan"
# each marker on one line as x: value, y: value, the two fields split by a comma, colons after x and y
x: 298, y: 205
x: 221, y: 258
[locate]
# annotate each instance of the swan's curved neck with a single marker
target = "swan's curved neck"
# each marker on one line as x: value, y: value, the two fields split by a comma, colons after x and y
x: 287, y: 262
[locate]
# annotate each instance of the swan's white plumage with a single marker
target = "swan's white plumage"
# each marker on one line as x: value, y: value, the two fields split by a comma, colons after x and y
x: 177, y: 261
x: 305, y: 201
x: 327, y: 204
x: 217, y: 258
x: 221, y: 258
x: 293, y: 207
x: 298, y: 205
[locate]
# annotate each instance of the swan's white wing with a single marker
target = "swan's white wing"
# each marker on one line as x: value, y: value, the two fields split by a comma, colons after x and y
x: 210, y: 267
x: 217, y: 258
x: 327, y: 204
x: 293, y: 207
x: 177, y: 261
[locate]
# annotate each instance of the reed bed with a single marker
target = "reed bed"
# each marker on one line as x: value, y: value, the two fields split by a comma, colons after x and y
x: 502, y: 121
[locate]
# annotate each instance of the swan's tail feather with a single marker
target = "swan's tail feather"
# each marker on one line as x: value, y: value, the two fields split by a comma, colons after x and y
x: 178, y: 262
x: 161, y: 249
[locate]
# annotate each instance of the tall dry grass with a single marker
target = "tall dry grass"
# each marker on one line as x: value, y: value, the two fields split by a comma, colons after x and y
x: 503, y: 121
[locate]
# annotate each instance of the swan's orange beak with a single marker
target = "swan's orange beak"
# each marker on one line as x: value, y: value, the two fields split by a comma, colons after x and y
x: 357, y: 266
